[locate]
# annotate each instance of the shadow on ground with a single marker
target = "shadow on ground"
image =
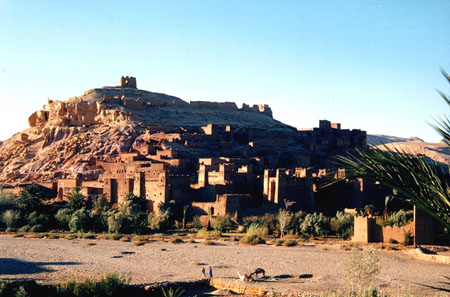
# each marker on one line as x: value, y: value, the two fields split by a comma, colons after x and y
x: 445, y: 285
x: 16, y: 266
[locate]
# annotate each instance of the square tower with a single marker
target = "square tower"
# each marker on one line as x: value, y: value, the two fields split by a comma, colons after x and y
x: 128, y: 82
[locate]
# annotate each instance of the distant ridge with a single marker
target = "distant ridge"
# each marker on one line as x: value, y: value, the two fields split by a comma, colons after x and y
x: 439, y: 152
x: 378, y: 139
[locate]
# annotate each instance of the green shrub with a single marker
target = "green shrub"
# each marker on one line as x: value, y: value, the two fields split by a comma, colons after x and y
x: 268, y: 220
x: 115, y: 222
x: 37, y: 228
x: 35, y: 218
x: 80, y: 221
x: 362, y: 268
x: 99, y: 221
x: 63, y: 217
x: 315, y: 225
x: 297, y: 220
x: 159, y: 222
x: 196, y: 223
x: 258, y: 230
x: 129, y: 217
x: 171, y: 292
x: 252, y: 240
x: 219, y: 223
x: 342, y: 224
x: 25, y: 228
x: 400, y: 218
x: 110, y: 285
x: 408, y: 238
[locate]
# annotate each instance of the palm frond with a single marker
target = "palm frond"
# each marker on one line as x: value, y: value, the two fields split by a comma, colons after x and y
x: 442, y: 125
x: 421, y: 182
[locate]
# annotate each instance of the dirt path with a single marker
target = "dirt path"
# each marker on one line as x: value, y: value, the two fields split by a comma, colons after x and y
x: 58, y: 259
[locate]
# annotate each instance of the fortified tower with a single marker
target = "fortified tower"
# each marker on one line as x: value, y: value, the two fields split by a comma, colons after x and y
x: 128, y: 82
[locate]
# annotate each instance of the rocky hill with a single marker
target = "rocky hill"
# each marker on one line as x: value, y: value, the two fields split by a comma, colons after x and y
x: 67, y: 138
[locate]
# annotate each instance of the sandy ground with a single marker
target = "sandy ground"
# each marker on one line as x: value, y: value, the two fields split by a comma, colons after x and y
x: 52, y: 260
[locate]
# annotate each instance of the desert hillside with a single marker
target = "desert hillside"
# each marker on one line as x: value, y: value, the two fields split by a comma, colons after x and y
x: 440, y: 152
x: 67, y: 138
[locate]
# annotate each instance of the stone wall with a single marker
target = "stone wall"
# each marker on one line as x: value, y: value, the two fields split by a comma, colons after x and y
x: 367, y: 230
x: 208, y: 104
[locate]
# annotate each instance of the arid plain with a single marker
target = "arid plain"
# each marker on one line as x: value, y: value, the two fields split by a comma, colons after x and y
x: 54, y: 260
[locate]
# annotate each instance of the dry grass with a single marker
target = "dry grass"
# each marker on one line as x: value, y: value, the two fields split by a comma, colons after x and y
x: 290, y: 243
x: 176, y: 240
x: 208, y: 242
x: 35, y: 235
x: 70, y: 236
x: 140, y: 238
x: 87, y: 236
x: 110, y: 236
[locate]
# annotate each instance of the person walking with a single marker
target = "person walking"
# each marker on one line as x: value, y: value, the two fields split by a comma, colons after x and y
x: 210, y: 272
x: 203, y: 272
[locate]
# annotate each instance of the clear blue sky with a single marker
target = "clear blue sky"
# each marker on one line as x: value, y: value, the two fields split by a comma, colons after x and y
x: 372, y: 65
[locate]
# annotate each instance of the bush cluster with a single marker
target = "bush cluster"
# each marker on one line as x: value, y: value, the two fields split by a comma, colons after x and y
x: 27, y: 213
x: 342, y: 224
x: 110, y: 285
x: 299, y: 223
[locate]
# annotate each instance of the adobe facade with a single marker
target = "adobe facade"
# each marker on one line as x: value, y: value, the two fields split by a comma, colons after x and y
x: 231, y: 170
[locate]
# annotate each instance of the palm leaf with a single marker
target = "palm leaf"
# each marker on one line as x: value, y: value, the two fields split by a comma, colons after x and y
x: 442, y: 125
x: 419, y: 181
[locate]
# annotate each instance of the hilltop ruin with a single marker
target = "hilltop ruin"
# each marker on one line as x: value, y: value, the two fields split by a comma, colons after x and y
x: 212, y: 155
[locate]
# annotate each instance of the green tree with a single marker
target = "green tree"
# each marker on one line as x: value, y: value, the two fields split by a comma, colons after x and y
x: 417, y: 180
x: 76, y: 199
x: 30, y: 199
x: 80, y: 221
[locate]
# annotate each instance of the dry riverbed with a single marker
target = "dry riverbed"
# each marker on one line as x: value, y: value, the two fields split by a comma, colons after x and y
x: 321, y: 266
